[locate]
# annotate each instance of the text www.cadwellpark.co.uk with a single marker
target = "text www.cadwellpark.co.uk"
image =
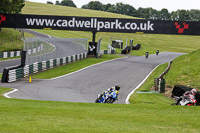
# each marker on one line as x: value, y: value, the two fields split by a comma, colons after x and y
x: 93, y: 23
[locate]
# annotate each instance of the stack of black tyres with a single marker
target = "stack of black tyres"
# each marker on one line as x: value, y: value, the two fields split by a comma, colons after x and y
x: 126, y: 50
x: 179, y: 90
x: 136, y: 47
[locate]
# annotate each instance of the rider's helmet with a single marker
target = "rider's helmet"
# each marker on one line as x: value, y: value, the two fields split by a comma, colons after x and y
x: 117, y: 92
x: 117, y: 87
x: 194, y: 91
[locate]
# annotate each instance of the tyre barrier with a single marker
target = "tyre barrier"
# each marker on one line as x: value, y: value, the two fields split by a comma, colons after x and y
x: 10, y: 54
x: 18, y: 53
x: 19, y: 73
x: 126, y: 50
x: 136, y: 47
x: 179, y: 90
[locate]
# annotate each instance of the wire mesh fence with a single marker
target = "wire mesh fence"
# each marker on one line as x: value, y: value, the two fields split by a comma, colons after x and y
x: 43, y: 49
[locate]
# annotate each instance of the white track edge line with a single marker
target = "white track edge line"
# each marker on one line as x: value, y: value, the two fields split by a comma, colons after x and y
x: 84, y: 69
x: 129, y: 95
x: 8, y: 93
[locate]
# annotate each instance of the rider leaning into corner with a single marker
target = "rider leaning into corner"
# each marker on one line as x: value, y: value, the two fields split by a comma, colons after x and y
x: 115, y: 89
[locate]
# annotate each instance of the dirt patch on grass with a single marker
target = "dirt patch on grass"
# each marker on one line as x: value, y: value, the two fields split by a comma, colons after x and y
x: 168, y: 91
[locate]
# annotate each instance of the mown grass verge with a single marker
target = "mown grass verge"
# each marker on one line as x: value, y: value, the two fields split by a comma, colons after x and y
x: 71, y: 67
x: 43, y: 116
x: 10, y: 58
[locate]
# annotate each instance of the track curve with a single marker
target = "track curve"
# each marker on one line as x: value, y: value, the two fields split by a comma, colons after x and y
x: 83, y: 86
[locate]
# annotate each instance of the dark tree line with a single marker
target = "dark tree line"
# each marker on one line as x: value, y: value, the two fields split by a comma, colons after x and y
x: 147, y: 13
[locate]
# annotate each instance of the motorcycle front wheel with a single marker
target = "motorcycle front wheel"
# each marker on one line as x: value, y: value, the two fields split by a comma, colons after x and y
x: 110, y: 100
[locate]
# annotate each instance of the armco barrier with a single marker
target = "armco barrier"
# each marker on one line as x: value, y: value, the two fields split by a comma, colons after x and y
x: 19, y: 73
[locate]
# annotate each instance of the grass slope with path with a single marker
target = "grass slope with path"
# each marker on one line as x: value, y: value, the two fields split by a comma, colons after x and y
x: 43, y: 116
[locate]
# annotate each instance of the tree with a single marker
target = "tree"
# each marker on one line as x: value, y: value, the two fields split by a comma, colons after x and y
x: 49, y: 2
x: 183, y: 15
x: 67, y: 3
x: 180, y: 15
x: 11, y: 6
x: 143, y: 13
x: 125, y: 9
x: 194, y: 15
x: 111, y: 9
x: 164, y: 14
x: 174, y: 16
x: 106, y: 7
x: 57, y: 2
x: 94, y: 5
x: 153, y: 14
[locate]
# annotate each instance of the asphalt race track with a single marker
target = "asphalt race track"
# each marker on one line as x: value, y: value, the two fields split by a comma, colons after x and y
x: 83, y: 86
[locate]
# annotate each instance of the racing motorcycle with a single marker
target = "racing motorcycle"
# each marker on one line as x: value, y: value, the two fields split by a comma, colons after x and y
x: 100, y: 98
x: 183, y: 101
x: 111, y: 97
x: 106, y: 98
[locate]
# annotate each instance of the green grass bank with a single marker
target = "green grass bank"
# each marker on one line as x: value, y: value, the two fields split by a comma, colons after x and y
x: 42, y: 116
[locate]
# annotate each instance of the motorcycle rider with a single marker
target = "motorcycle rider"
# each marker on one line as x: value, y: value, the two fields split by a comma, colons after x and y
x: 110, y: 90
x: 191, y: 95
x: 188, y: 96
x: 116, y: 89
x: 157, y: 52
x: 147, y: 54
